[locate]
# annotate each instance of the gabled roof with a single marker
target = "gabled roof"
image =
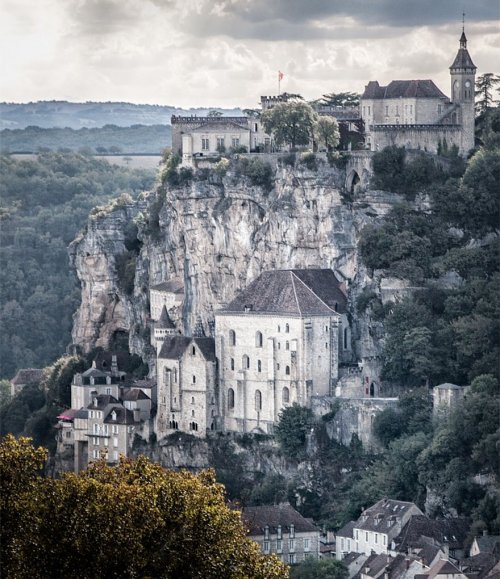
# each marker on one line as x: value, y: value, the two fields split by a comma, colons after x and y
x: 347, y: 530
x: 488, y: 543
x: 68, y: 415
x: 443, y: 567
x: 402, y: 89
x: 295, y: 292
x: 479, y: 565
x: 452, y: 532
x: 165, y: 323
x: 382, y: 515
x: 94, y: 373
x: 273, y: 516
x: 101, y: 401
x: 173, y: 348
x: 134, y: 394
x: 27, y: 376
x: 123, y: 416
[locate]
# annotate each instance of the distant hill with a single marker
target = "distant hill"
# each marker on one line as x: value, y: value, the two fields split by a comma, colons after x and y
x: 61, y: 114
x: 108, y: 139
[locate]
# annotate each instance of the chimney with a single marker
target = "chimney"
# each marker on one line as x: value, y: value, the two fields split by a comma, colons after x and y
x: 485, y: 532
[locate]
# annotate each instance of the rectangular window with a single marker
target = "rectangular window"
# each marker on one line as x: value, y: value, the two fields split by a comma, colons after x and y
x: 115, y: 455
x: 115, y: 441
x: 439, y: 109
x: 292, y: 558
x: 256, y: 128
x: 279, y: 532
x: 115, y: 428
x: 266, y: 547
x: 386, y: 111
x: 366, y: 536
x: 96, y: 441
x: 348, y: 545
x: 96, y: 428
x: 357, y: 535
x: 108, y: 390
x: 384, y: 537
x: 291, y: 545
x: 266, y: 533
x: 205, y: 144
x: 235, y: 142
x: 376, y: 538
x: 307, y: 546
x: 96, y: 454
x: 342, y: 544
x: 220, y: 143
x: 279, y: 546
x: 106, y: 441
x: 369, y: 111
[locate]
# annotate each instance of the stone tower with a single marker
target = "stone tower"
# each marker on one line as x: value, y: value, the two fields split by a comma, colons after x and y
x: 463, y: 78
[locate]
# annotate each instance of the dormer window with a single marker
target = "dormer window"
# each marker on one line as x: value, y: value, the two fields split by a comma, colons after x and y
x: 279, y: 532
x: 266, y: 532
x: 113, y: 415
x: 292, y: 531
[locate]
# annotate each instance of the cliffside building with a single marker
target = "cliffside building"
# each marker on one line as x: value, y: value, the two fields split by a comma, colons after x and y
x: 278, y: 342
x: 415, y: 114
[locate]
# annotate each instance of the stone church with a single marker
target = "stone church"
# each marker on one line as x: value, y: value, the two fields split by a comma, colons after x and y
x: 415, y: 114
x: 278, y: 342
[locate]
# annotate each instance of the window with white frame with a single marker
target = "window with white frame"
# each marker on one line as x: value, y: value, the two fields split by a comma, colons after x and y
x: 266, y: 546
x: 292, y: 558
x: 115, y: 441
x: 279, y: 546
x: 205, y: 143
x: 307, y: 544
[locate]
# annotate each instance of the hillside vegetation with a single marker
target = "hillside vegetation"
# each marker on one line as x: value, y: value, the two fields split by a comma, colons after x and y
x: 44, y: 203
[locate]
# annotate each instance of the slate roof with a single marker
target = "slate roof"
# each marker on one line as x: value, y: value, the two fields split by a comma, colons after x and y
x: 478, y: 565
x: 102, y: 401
x: 462, y: 59
x: 381, y: 516
x: 175, y: 286
x: 146, y: 383
x: 134, y: 395
x: 165, y: 323
x: 27, y: 376
x: 174, y: 347
x: 123, y: 416
x: 284, y: 515
x: 218, y: 126
x: 452, y: 532
x: 402, y: 89
x: 295, y: 292
x: 94, y: 373
x: 347, y: 530
x: 68, y: 415
x: 488, y: 543
x: 82, y: 413
x: 443, y: 567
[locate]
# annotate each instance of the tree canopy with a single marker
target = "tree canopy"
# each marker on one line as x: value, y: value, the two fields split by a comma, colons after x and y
x: 485, y: 85
x: 134, y: 520
x: 290, y: 123
x: 326, y: 132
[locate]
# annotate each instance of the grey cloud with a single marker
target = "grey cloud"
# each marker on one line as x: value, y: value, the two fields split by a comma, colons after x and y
x: 301, y: 20
x: 98, y: 17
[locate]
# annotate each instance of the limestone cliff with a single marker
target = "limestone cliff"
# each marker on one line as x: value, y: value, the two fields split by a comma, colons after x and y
x: 217, y: 234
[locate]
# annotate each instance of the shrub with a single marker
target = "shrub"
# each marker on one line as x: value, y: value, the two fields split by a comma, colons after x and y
x: 288, y: 159
x: 260, y: 173
x: 308, y: 159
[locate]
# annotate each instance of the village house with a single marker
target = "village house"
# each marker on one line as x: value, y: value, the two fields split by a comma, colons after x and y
x: 282, y: 530
x: 23, y: 378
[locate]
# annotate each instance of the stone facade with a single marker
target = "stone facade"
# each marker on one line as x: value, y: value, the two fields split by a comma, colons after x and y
x: 277, y: 344
x: 415, y: 114
x: 186, y: 376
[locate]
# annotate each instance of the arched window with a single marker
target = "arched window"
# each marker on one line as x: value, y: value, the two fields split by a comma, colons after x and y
x: 193, y: 351
x: 175, y: 375
x: 287, y: 370
x: 345, y: 339
x: 192, y: 413
x: 287, y: 345
x: 232, y: 363
x: 259, y: 366
x: 192, y: 399
x: 258, y: 339
x: 230, y: 398
x: 258, y: 400
x: 287, y: 328
x: 286, y: 395
x: 232, y: 338
x: 279, y: 328
x: 245, y: 362
x: 194, y: 379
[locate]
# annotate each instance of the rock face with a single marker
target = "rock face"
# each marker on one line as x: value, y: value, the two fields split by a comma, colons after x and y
x: 218, y: 235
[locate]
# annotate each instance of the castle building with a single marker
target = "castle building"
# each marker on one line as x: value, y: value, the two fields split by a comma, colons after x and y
x: 169, y: 294
x: 279, y: 342
x: 415, y: 114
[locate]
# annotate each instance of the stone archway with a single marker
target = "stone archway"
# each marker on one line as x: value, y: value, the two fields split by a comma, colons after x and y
x: 352, y: 182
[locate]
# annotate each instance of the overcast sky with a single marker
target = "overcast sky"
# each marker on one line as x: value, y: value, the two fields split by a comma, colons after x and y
x: 227, y: 52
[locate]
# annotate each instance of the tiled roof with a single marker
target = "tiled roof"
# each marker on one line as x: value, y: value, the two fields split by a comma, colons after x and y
x: 165, y: 323
x: 173, y: 348
x: 123, y: 416
x: 146, y: 383
x: 68, y: 415
x: 402, y: 89
x: 489, y: 543
x: 294, y: 292
x: 443, y: 567
x: 284, y: 515
x: 347, y: 530
x: 479, y: 565
x: 452, y: 532
x: 27, y: 376
x: 175, y: 286
x: 463, y: 60
x: 134, y: 394
x: 381, y: 516
x: 102, y: 401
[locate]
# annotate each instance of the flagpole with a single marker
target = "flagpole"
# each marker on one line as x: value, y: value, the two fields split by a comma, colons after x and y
x: 279, y: 83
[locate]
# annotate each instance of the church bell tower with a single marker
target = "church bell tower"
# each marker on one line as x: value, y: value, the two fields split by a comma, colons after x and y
x: 463, y: 78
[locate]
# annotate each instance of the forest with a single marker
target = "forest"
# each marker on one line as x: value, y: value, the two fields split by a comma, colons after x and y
x: 44, y: 203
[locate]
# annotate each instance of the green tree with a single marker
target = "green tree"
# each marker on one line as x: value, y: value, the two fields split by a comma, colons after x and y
x: 213, y: 114
x: 319, y: 569
x: 340, y: 99
x: 290, y: 123
x: 134, y: 520
x: 485, y: 85
x: 295, y: 422
x: 326, y: 131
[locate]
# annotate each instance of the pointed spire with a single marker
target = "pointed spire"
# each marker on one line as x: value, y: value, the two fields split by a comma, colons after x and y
x: 165, y: 323
x: 463, y: 38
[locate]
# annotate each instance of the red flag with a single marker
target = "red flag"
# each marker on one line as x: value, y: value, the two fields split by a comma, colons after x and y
x: 280, y: 75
